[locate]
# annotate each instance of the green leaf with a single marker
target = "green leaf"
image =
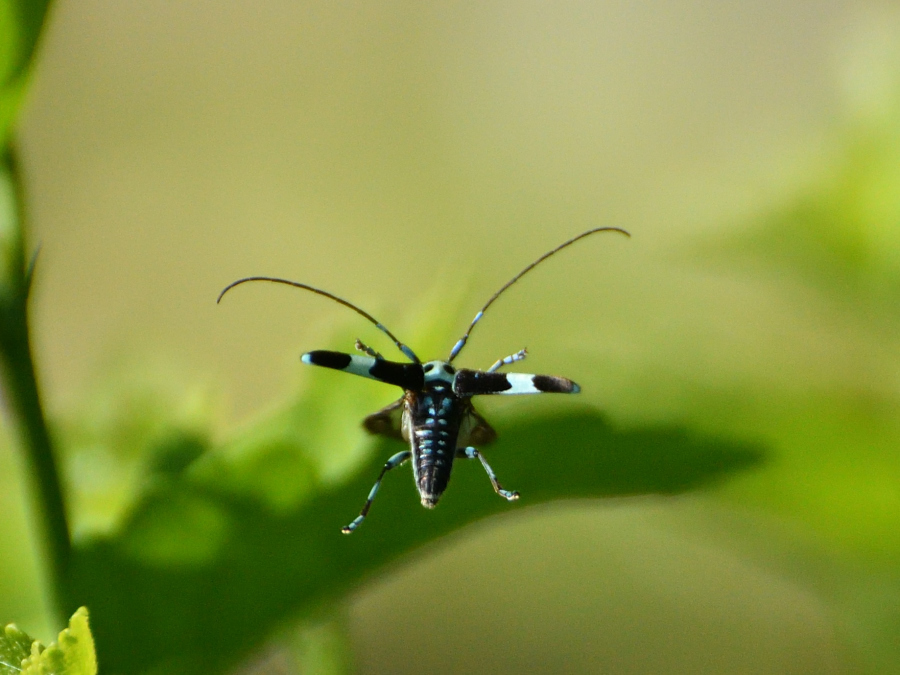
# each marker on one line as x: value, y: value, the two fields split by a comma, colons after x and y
x: 202, y: 613
x: 15, y: 646
x: 223, y: 546
x: 72, y: 654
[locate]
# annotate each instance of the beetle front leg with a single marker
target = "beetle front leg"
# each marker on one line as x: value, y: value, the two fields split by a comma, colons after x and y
x: 366, y: 349
x: 512, y: 358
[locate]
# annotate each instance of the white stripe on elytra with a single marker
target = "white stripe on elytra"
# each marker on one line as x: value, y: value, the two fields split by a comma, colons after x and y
x: 520, y: 383
x: 360, y: 365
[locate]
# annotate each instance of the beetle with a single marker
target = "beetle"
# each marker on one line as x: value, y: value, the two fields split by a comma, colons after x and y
x: 435, y: 415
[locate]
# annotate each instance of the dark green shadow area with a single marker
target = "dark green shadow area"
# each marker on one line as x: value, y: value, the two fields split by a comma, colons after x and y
x: 200, y: 616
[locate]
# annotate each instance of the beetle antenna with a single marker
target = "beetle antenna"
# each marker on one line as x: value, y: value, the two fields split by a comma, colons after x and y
x: 462, y: 341
x: 407, y: 352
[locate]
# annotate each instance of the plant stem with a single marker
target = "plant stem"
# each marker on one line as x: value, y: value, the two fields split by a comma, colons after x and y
x: 23, y: 399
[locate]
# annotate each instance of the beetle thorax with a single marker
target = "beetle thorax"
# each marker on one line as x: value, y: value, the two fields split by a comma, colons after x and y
x: 438, y: 371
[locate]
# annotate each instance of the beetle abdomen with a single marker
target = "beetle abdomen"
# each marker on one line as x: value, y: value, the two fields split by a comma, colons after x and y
x: 435, y: 418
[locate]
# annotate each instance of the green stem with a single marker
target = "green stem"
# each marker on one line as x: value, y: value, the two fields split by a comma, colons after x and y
x: 23, y: 399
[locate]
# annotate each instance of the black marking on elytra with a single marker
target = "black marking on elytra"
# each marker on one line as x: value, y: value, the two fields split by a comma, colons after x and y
x: 553, y: 385
x: 328, y: 359
x: 406, y: 375
x: 475, y: 382
x: 435, y: 415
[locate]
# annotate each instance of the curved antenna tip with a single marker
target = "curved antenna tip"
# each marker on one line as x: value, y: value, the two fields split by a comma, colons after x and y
x: 232, y: 285
x: 407, y: 352
x: 457, y: 348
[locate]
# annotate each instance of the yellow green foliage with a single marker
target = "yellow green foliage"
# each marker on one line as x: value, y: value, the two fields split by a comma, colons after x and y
x: 72, y: 654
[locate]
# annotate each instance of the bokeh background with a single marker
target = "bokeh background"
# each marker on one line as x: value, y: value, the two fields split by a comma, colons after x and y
x: 412, y: 157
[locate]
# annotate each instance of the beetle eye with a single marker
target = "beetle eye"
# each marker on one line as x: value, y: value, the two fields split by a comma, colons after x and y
x: 448, y: 369
x: 428, y: 367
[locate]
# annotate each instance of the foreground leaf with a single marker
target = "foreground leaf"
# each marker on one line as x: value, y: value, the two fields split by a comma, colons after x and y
x: 203, y: 614
x: 72, y: 654
x: 15, y: 646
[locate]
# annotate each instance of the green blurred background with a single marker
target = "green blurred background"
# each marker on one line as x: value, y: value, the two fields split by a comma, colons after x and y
x: 412, y: 157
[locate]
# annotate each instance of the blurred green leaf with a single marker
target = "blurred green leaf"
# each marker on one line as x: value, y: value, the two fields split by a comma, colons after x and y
x: 844, y: 232
x: 322, y: 649
x: 20, y: 26
x: 176, y: 614
x: 173, y: 528
x: 139, y: 425
x: 72, y: 654
x: 318, y: 647
x: 838, y: 235
x: 841, y: 229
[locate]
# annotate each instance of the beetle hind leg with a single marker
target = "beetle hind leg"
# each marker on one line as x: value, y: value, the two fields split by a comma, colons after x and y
x: 472, y: 453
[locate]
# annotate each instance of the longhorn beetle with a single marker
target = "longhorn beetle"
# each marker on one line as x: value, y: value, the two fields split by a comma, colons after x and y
x: 435, y: 415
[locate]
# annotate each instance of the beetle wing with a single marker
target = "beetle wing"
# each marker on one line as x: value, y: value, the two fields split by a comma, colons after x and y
x: 387, y: 421
x: 475, y: 429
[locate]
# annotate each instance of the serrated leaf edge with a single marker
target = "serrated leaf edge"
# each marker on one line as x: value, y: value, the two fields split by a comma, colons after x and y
x: 51, y: 660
